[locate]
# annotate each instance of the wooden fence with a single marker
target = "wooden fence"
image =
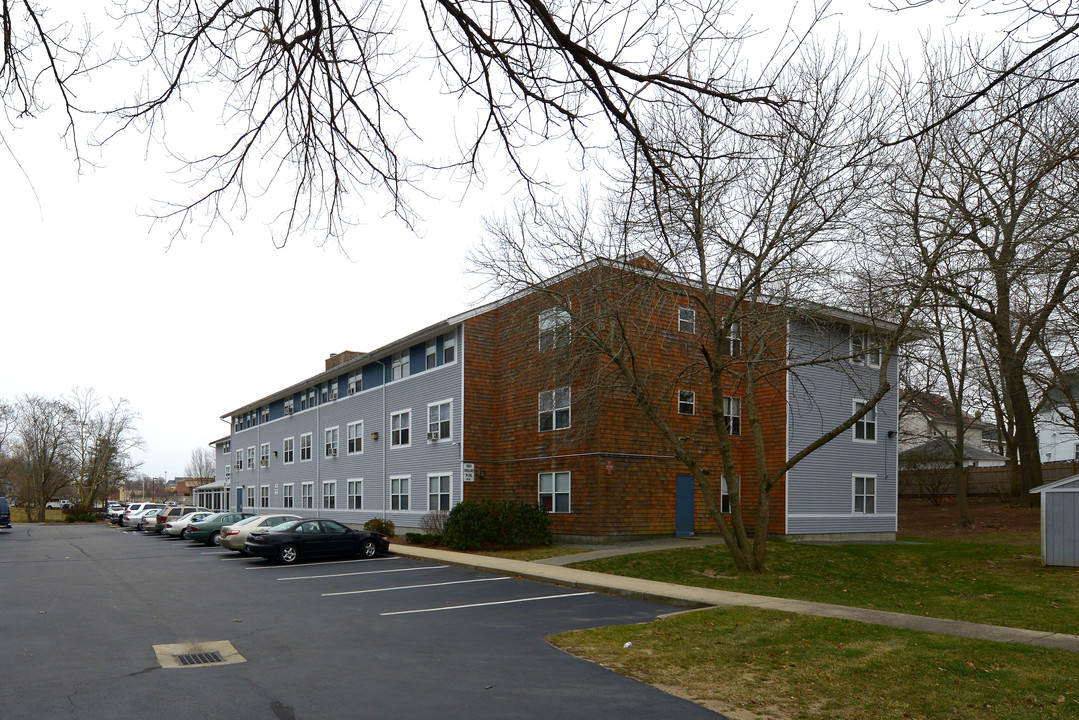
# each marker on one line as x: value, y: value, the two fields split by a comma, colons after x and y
x: 996, y: 482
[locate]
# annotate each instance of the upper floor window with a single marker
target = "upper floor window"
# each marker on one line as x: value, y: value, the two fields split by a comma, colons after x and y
x: 687, y: 320
x: 228, y: 473
x: 687, y: 402
x: 251, y: 456
x: 288, y: 406
x: 732, y: 414
x: 732, y: 344
x: 400, y: 426
x: 226, y: 447
x: 865, y: 428
x: 264, y: 454
x: 438, y: 421
x: 554, y: 329
x: 399, y: 365
x: 305, y: 446
x: 355, y: 382
x: 264, y: 416
x: 449, y: 348
x: 288, y: 450
x: 239, y: 459
x: 355, y: 438
x: 554, y: 409
x: 332, y: 388
x: 432, y: 353
x: 864, y: 348
x: 237, y: 424
x: 865, y: 494
x: 331, y: 442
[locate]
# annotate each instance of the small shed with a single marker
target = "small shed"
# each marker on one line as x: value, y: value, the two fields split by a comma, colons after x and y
x: 1060, y: 521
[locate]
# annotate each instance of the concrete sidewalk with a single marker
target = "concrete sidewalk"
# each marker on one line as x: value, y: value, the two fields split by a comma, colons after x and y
x: 696, y: 597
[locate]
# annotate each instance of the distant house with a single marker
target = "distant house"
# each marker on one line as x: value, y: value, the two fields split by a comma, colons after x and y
x: 939, y: 454
x: 924, y: 417
x: 1055, y: 421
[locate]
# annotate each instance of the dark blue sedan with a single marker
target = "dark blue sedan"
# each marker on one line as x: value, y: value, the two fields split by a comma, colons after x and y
x: 311, y: 537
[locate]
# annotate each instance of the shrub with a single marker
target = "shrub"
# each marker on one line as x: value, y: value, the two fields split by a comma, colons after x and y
x: 380, y: 525
x: 422, y: 539
x: 497, y: 524
x: 434, y: 522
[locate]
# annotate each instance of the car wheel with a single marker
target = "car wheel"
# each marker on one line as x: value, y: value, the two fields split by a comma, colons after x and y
x: 214, y: 539
x: 288, y: 554
x: 183, y: 534
x: 368, y: 549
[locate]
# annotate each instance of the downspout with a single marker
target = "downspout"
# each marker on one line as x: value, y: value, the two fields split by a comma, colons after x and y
x: 385, y: 480
x: 318, y: 456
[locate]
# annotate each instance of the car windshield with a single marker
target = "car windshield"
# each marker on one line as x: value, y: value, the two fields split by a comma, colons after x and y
x: 246, y: 521
x: 215, y: 516
x: 285, y: 526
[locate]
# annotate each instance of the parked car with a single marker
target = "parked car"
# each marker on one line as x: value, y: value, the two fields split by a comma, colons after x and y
x: 178, y: 527
x: 5, y: 513
x: 234, y: 536
x: 167, y: 514
x: 59, y: 504
x: 297, y: 539
x: 115, y: 511
x: 208, y: 530
x: 133, y: 512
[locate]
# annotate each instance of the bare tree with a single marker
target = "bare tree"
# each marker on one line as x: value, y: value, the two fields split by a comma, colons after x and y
x: 105, y: 436
x: 202, y: 465
x: 43, y: 457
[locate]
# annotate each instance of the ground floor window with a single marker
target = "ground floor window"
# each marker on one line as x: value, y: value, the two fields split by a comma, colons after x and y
x: 725, y: 495
x: 286, y: 495
x: 264, y: 496
x: 399, y: 493
x: 554, y: 488
x: 865, y: 494
x: 329, y: 494
x: 355, y: 494
x: 307, y: 495
x: 438, y: 492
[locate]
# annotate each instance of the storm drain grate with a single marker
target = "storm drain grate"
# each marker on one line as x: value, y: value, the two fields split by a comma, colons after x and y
x: 200, y: 658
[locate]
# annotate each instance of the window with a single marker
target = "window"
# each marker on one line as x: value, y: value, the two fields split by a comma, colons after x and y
x: 438, y: 492
x: 449, y: 349
x: 251, y: 457
x: 226, y: 448
x: 554, y: 409
x: 687, y: 402
x: 554, y: 491
x: 325, y: 390
x: 303, y: 402
x: 687, y: 320
x: 554, y: 329
x: 264, y: 496
x: 865, y: 494
x: 355, y: 382
x: 305, y: 446
x: 288, y: 451
x: 399, y: 365
x: 264, y: 454
x: 331, y: 389
x: 329, y: 494
x: 288, y: 406
x: 264, y: 416
x: 1077, y: 451
x: 237, y: 424
x: 732, y: 344
x: 307, y: 495
x: 732, y: 414
x: 239, y: 459
x: 438, y: 421
x: 400, y: 424
x: 228, y: 473
x: 355, y: 438
x: 286, y: 496
x: 355, y: 494
x: 865, y: 429
x: 864, y: 349
x: 331, y: 442
x: 724, y: 494
x: 432, y: 353
x: 399, y: 493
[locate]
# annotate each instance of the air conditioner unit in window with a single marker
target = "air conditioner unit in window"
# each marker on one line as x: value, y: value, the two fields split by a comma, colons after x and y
x: 239, y: 466
x: 288, y: 411
x: 432, y: 436
x: 265, y: 463
x: 333, y: 453
x: 352, y: 391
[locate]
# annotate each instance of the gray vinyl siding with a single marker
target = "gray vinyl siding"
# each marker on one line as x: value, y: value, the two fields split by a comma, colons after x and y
x: 820, y: 488
x: 373, y: 406
x: 1060, y: 525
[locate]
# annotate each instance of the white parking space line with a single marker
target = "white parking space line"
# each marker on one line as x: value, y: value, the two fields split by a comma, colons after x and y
x: 272, y: 566
x: 499, y: 602
x: 215, y: 552
x: 365, y: 572
x: 411, y: 587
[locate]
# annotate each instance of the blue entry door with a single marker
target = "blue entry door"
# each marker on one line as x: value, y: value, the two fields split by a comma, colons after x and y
x: 683, y: 506
x: 239, y: 499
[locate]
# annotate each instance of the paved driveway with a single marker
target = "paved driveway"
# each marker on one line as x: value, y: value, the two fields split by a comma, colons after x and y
x: 81, y: 608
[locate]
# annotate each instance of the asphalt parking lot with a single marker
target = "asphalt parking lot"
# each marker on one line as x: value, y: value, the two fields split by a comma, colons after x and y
x: 82, y: 607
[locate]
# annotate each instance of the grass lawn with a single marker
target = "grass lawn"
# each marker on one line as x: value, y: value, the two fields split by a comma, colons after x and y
x: 750, y: 663
x: 530, y: 554
x: 987, y: 582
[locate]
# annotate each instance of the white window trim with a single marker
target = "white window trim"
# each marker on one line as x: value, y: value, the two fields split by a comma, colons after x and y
x: 691, y: 320
x: 348, y: 431
x: 553, y: 392
x: 331, y: 486
x: 392, y: 416
x: 448, y: 438
x: 449, y: 340
x: 729, y: 400
x: 285, y: 460
x: 853, y: 497
x: 449, y: 493
x: 336, y: 430
x: 310, y: 485
x: 401, y: 360
x: 554, y: 491
x: 350, y: 495
x: 854, y: 427
x: 264, y: 454
x: 264, y: 496
x: 869, y: 354
x: 251, y: 457
x: 310, y: 446
x: 724, y: 492
x: 288, y: 492
x: 409, y: 495
x: 692, y: 402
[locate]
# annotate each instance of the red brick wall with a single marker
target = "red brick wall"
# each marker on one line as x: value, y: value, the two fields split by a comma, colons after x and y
x: 623, y: 472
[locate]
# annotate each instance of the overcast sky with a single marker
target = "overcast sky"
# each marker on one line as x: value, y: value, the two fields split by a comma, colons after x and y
x: 94, y: 296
